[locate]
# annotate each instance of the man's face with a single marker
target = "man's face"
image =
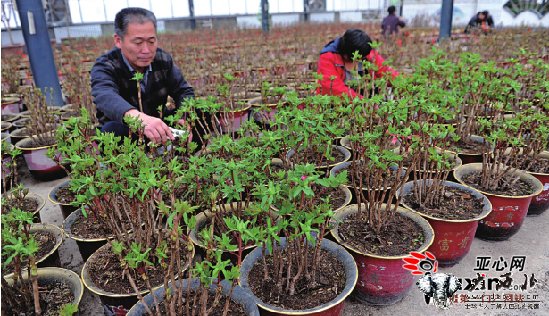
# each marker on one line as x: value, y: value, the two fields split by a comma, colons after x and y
x: 138, y: 45
x: 481, y: 16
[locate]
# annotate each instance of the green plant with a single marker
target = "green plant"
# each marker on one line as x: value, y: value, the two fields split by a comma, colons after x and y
x: 19, y: 246
x: 304, y: 217
x: 10, y: 176
x: 68, y: 310
x: 138, y: 77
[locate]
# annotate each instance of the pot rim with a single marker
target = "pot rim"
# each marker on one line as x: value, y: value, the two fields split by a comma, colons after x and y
x: 487, y: 208
x: 353, y: 208
x: 69, y: 233
x: 70, y: 275
x: 328, y: 245
x: 52, y: 197
x: 20, y: 144
x: 59, y: 236
x: 88, y: 283
x: 545, y: 155
x: 468, y: 168
x: 341, y: 149
x: 39, y: 199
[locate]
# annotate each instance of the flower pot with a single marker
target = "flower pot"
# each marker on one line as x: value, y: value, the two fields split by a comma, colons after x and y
x: 231, y: 121
x: 87, y: 246
x: 263, y: 113
x: 53, y: 274
x: 10, y: 117
x: 238, y: 295
x: 40, y: 165
x: 22, y: 122
x: 11, y: 104
x: 334, y: 307
x: 51, y: 259
x: 40, y: 202
x: 508, y: 212
x: 19, y: 134
x: 6, y: 137
x: 7, y: 127
x: 453, y: 237
x: 346, y: 153
x: 468, y: 157
x: 66, y: 208
x: 381, y: 279
x: 540, y: 202
x: 109, y: 298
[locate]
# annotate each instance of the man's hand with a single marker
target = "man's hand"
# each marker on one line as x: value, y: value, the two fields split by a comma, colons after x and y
x: 155, y: 129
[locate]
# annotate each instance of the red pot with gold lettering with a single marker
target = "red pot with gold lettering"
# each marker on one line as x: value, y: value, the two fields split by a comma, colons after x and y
x: 453, y: 237
x: 508, y: 211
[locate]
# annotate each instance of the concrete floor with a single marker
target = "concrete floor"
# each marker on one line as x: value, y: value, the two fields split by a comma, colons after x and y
x: 530, y: 241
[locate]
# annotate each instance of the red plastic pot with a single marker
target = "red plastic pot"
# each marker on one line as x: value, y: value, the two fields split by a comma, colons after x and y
x: 453, y: 238
x: 540, y: 202
x: 231, y: 121
x: 381, y: 279
x: 508, y: 212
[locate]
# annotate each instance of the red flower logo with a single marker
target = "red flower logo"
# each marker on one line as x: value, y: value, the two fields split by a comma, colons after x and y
x: 419, y: 263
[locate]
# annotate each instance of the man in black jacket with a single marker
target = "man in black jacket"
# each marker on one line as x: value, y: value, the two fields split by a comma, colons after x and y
x: 114, y: 91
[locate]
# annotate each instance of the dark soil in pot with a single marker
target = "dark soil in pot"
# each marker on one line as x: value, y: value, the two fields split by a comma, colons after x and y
x: 508, y: 186
x: 309, y: 293
x: 538, y: 165
x: 336, y: 195
x: 106, y: 272
x: 46, y: 242
x: 235, y: 309
x: 310, y: 156
x: 400, y: 236
x: 64, y: 195
x: 28, y: 205
x: 456, y: 204
x: 470, y: 147
x: 89, y: 229
x: 53, y: 295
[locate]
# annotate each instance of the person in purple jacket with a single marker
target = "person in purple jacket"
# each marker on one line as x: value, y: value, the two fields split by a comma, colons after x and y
x: 391, y: 23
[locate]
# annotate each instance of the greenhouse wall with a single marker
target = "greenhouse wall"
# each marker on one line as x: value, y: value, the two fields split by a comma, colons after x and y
x: 94, y: 17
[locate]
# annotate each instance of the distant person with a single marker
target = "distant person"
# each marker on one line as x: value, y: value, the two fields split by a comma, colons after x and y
x: 114, y: 91
x: 482, y: 21
x: 391, y: 23
x: 336, y: 63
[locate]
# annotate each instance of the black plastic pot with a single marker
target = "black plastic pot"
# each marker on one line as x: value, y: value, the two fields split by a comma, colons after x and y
x: 87, y: 246
x: 52, y: 258
x: 66, y: 209
x: 334, y: 307
x: 238, y: 295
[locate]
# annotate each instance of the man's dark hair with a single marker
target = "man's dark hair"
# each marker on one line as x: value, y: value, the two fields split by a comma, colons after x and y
x: 131, y: 15
x: 391, y: 9
x: 354, y: 40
